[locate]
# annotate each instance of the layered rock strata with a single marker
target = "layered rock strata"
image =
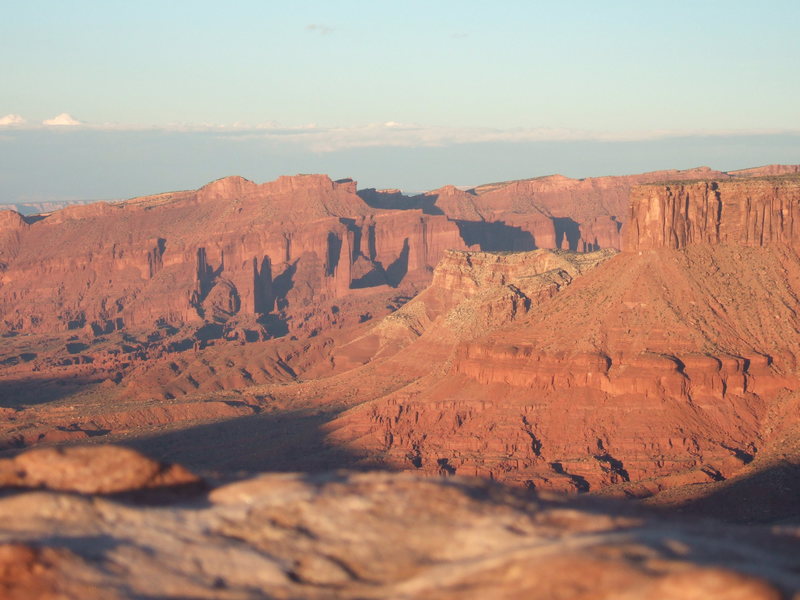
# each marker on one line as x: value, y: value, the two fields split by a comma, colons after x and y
x: 756, y: 213
x: 659, y: 368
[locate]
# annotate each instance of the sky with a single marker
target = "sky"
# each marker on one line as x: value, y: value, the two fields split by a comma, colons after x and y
x: 106, y: 99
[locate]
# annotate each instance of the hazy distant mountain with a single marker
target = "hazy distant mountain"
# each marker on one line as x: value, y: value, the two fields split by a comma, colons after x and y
x: 35, y: 208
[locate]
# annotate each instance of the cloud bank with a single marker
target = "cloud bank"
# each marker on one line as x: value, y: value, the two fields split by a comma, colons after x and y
x: 392, y: 134
x: 388, y: 134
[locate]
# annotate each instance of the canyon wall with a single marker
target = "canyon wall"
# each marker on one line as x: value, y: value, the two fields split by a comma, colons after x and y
x: 233, y: 249
x: 653, y: 369
x: 548, y: 212
x: 299, y: 256
x: 757, y: 212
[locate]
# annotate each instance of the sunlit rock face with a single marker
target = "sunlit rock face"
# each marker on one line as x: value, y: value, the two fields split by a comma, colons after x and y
x: 668, y: 365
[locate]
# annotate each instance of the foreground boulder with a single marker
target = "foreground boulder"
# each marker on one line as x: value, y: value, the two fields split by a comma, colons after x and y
x: 90, y: 470
x: 375, y: 535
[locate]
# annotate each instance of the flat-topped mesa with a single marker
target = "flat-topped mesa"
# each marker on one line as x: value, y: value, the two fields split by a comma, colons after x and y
x: 560, y: 212
x: 766, y: 171
x: 314, y: 182
x: 234, y: 186
x: 594, y: 195
x: 747, y: 212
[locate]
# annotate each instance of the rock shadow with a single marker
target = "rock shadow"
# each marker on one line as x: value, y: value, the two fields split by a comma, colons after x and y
x: 567, y: 229
x: 495, y: 236
x: 374, y: 278
x: 396, y: 200
x: 263, y: 300
x: 333, y: 254
x: 269, y: 441
x: 763, y: 496
x: 33, y: 391
x: 396, y: 271
x: 355, y: 231
x: 282, y: 284
x: 392, y: 275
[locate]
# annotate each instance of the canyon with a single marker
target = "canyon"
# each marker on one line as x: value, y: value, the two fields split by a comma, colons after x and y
x: 573, y: 374
x: 422, y: 333
x: 672, y: 365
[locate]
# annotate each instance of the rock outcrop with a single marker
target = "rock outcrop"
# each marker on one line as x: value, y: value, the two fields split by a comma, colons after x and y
x: 548, y: 212
x: 376, y: 535
x: 551, y: 212
x: 90, y: 470
x: 471, y: 293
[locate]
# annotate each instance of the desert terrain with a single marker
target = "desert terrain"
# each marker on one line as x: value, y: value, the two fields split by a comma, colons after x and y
x: 301, y: 388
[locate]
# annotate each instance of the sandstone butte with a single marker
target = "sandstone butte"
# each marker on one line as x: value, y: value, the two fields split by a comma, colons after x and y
x: 107, y: 523
x: 300, y: 325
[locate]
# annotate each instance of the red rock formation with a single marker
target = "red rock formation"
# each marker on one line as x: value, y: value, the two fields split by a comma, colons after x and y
x: 544, y: 212
x: 746, y: 212
x: 471, y: 293
x: 766, y: 171
x: 658, y: 367
x: 653, y: 369
x: 233, y: 248
x: 573, y: 214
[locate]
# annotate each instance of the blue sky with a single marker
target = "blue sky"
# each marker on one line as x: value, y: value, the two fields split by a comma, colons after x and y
x: 261, y: 88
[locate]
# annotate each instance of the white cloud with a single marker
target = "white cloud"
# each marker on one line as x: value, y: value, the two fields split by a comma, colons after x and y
x: 11, y: 119
x: 62, y: 119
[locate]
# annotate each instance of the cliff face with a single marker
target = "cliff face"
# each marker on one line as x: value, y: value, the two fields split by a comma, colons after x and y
x: 553, y: 212
x: 471, y: 293
x: 746, y: 212
x: 233, y: 248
